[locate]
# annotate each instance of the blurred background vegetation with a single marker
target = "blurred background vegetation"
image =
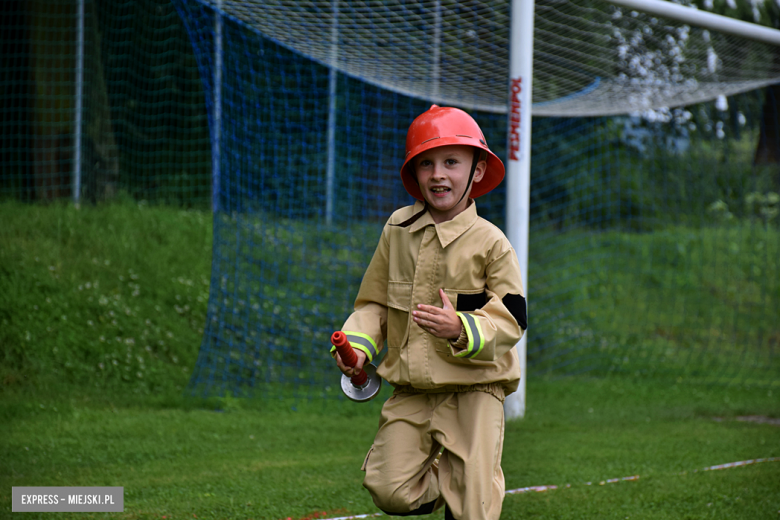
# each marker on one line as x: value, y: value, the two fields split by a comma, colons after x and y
x: 145, y: 121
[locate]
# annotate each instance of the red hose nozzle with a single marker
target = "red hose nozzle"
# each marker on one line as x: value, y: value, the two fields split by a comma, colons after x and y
x: 348, y: 356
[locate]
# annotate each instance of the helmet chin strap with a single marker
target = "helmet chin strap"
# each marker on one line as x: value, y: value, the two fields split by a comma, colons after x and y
x: 478, y: 154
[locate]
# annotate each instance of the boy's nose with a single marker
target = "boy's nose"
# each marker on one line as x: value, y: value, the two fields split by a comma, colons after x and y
x: 438, y: 171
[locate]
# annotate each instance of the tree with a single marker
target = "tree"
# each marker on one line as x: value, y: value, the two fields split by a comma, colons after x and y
x: 765, y: 13
x: 52, y: 64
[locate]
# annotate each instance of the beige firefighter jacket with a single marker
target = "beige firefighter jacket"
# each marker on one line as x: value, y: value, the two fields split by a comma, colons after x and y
x: 474, y: 263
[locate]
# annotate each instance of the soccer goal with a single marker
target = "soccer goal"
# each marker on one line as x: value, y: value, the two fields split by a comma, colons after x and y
x: 641, y: 198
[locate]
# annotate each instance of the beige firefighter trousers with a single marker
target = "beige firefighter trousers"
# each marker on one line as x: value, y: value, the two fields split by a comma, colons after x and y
x: 401, y: 470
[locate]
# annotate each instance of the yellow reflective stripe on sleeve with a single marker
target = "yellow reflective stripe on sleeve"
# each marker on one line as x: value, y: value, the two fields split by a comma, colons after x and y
x: 466, y: 327
x: 363, y: 342
x: 474, y: 332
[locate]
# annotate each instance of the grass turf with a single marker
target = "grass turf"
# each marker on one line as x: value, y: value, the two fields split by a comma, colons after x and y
x: 102, y: 314
x: 271, y: 463
x: 111, y: 298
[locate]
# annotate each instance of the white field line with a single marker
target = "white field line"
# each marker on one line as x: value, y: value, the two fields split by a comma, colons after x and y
x: 737, y: 464
x: 540, y: 489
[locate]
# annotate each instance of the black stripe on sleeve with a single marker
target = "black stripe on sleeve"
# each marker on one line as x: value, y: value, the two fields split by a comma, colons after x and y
x: 515, y: 304
x: 471, y: 302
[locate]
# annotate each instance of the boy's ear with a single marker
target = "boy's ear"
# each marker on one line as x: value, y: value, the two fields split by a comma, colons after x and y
x: 479, y: 171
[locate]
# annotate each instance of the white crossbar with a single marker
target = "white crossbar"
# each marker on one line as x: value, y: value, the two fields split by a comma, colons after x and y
x: 699, y: 18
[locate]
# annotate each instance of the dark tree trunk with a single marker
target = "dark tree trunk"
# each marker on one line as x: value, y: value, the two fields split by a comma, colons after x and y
x: 16, y: 94
x: 102, y: 160
x: 52, y: 64
x: 768, y: 147
x: 53, y: 48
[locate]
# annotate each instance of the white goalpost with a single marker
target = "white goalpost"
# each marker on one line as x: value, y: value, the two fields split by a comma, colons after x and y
x: 518, y: 167
x: 519, y: 128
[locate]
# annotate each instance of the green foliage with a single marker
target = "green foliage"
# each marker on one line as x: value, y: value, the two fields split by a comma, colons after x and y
x: 158, y: 107
x: 679, y: 303
x: 762, y: 12
x: 616, y: 186
x: 145, y: 117
x: 102, y: 297
x: 111, y: 303
x: 764, y: 206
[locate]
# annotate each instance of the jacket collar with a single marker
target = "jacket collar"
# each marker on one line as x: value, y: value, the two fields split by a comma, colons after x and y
x: 450, y: 230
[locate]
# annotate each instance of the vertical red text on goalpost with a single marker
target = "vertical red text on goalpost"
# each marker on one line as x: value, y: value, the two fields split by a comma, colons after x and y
x: 514, y: 120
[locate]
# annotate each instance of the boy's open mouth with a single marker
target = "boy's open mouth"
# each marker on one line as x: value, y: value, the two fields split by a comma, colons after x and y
x: 440, y: 189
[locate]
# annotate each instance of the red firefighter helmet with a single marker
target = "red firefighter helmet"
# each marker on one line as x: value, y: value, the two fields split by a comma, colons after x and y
x: 444, y: 126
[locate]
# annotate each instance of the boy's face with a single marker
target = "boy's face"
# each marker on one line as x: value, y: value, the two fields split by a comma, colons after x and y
x: 443, y: 174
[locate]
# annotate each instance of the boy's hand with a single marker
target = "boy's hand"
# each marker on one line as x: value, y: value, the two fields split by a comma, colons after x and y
x: 442, y: 323
x: 351, y: 371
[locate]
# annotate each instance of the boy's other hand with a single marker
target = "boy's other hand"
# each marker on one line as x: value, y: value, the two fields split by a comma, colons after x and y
x: 351, y: 371
x: 442, y: 323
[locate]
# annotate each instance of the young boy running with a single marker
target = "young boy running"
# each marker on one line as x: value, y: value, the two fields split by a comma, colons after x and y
x: 444, y: 290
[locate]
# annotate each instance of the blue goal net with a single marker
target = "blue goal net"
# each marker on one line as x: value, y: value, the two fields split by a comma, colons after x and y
x: 654, y: 243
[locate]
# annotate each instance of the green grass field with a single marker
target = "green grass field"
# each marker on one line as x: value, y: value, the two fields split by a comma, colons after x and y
x: 101, y: 315
x: 181, y: 460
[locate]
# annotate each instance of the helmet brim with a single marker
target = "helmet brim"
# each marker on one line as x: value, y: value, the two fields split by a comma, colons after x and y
x: 494, y: 171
